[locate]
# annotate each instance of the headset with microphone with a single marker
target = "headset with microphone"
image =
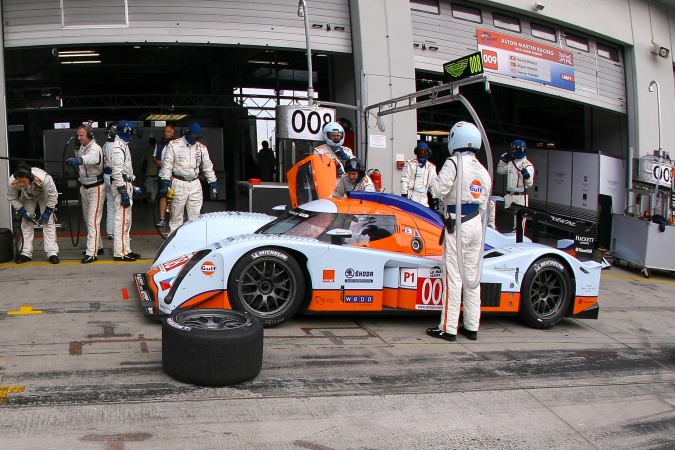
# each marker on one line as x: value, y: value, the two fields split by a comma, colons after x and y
x: 87, y: 126
x: 24, y: 171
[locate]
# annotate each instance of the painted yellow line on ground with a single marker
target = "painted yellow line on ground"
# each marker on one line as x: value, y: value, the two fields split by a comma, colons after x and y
x: 6, y: 390
x: 631, y: 277
x: 77, y: 262
x: 25, y: 310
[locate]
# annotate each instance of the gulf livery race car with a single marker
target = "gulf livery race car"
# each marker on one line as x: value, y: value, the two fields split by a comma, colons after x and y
x: 369, y: 253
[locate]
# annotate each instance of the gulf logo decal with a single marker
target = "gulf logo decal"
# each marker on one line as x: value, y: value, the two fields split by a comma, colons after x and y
x: 208, y: 268
x: 476, y: 189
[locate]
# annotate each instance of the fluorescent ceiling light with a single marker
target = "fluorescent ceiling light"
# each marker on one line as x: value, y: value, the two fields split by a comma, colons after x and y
x: 166, y: 116
x: 68, y: 53
x: 279, y: 63
x: 94, y: 61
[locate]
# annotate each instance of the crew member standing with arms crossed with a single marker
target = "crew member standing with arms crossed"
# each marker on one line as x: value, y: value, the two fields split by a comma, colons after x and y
x: 27, y: 188
x: 121, y: 178
x: 474, y: 185
x: 89, y: 161
x: 184, y: 159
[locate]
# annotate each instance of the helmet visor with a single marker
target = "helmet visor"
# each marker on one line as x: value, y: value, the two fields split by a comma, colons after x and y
x: 335, y: 136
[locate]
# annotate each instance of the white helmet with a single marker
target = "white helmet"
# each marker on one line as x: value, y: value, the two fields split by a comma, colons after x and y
x: 332, y: 128
x: 464, y: 135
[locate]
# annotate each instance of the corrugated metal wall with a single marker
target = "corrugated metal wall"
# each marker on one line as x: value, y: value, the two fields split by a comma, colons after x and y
x: 273, y: 23
x: 599, y: 81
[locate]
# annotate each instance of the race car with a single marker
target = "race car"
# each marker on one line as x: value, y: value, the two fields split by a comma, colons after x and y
x: 369, y: 253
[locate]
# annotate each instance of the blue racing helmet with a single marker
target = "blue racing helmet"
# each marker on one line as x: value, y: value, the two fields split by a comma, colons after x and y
x: 124, y: 130
x: 194, y: 133
x: 519, y: 148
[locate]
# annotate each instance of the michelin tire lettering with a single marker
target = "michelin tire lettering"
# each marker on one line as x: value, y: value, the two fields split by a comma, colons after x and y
x: 273, y: 253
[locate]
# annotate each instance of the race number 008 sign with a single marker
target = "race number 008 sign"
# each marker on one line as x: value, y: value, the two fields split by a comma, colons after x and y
x: 302, y: 122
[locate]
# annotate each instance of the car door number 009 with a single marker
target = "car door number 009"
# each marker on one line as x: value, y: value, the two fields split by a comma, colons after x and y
x: 313, y: 122
x: 432, y: 291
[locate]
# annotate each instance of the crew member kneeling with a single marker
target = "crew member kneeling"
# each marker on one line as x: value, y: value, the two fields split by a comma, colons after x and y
x: 475, y: 186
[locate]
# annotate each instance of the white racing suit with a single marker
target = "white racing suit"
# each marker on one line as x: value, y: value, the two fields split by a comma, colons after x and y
x: 326, y: 149
x: 475, y: 193
x: 515, y: 183
x: 345, y: 185
x: 416, y: 180
x: 182, y: 164
x: 109, y: 198
x: 42, y: 191
x: 92, y: 193
x: 122, y: 176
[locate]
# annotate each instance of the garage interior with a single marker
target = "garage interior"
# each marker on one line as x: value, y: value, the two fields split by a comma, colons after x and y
x: 105, y: 83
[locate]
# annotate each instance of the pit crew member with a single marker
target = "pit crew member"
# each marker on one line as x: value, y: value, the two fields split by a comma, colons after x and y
x: 354, y: 180
x: 519, y: 174
x: 27, y: 188
x: 89, y: 161
x: 417, y: 175
x: 334, y: 135
x: 475, y: 186
x: 184, y: 160
x: 121, y: 179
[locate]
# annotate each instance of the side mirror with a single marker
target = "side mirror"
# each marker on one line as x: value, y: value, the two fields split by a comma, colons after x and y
x: 339, y: 235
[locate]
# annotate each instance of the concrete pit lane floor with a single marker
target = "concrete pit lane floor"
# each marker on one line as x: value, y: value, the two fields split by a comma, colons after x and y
x: 80, y: 368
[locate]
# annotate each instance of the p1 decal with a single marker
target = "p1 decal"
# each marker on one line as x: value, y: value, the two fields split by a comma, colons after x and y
x: 429, y: 289
x: 408, y: 278
x: 208, y: 268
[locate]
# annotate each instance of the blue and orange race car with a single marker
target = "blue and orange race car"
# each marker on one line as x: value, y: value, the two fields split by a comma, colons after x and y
x: 369, y: 253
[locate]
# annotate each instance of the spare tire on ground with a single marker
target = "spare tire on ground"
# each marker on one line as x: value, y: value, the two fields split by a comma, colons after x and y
x: 212, y: 347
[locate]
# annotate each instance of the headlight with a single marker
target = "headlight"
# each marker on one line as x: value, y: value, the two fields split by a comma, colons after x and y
x: 201, y: 254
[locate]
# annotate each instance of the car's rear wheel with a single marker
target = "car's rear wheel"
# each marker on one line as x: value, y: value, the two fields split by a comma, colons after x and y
x: 267, y: 283
x: 212, y: 347
x: 545, y: 294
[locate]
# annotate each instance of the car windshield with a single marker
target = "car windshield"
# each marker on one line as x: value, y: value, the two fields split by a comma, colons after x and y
x: 299, y: 222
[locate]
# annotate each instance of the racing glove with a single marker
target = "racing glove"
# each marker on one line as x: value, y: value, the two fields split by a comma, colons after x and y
x: 506, y: 158
x: 166, y: 184
x: 24, y: 213
x: 74, y: 162
x: 526, y: 174
x: 46, y: 214
x: 137, y: 191
x: 126, y: 202
x: 214, y: 189
x: 107, y: 170
x: 342, y: 155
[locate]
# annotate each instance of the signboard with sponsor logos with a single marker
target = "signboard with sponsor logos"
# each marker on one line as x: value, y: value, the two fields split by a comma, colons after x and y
x: 528, y: 60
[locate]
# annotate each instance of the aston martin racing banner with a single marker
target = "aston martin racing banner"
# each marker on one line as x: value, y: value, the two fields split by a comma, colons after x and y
x: 529, y: 60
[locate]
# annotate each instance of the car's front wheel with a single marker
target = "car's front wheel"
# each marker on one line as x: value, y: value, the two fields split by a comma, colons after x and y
x: 267, y: 283
x: 546, y: 293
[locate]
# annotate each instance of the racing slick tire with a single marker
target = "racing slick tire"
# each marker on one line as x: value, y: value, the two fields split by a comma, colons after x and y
x: 212, y: 347
x: 546, y: 293
x: 267, y: 283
